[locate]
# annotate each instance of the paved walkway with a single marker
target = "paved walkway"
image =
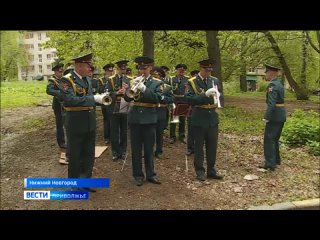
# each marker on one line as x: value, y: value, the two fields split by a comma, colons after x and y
x: 310, y: 204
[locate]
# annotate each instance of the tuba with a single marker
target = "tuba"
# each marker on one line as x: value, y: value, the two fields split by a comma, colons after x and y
x: 133, y: 91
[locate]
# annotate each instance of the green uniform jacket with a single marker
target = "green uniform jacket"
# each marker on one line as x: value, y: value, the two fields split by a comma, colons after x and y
x: 145, y: 115
x: 53, y: 90
x: 166, y: 98
x: 114, y: 83
x: 195, y: 95
x: 77, y: 94
x: 275, y: 95
x: 179, y: 87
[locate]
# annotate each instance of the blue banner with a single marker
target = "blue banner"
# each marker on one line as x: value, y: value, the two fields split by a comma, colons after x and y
x: 69, y: 195
x: 66, y: 182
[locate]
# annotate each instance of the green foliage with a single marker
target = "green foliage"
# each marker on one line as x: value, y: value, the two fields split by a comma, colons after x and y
x: 303, y: 128
x: 12, y: 54
x: 23, y: 93
x: 262, y: 85
x: 238, y: 120
x: 314, y: 147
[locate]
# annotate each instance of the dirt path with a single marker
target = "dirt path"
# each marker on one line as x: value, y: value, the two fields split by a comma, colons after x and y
x: 34, y: 153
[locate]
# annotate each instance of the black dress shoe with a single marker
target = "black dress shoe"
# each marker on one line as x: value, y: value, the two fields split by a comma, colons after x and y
x: 172, y: 140
x: 88, y: 189
x: 154, y: 180
x: 267, y: 168
x: 139, y: 182
x: 158, y: 155
x: 107, y: 141
x: 201, y: 178
x: 63, y: 145
x: 189, y: 153
x: 215, y: 176
x: 183, y: 140
x: 115, y: 157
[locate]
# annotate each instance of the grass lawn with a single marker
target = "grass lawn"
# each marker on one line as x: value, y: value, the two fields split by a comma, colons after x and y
x: 23, y: 93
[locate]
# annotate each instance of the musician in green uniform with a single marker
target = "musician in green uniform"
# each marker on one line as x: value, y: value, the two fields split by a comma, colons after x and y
x: 117, y: 85
x: 274, y: 118
x: 178, y: 84
x: 53, y: 90
x: 80, y: 121
x: 190, y: 138
x: 142, y: 118
x: 106, y: 109
x: 162, y: 109
x: 204, y: 119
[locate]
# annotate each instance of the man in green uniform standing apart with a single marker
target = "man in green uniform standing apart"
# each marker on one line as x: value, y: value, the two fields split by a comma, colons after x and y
x: 53, y: 89
x: 204, y: 119
x: 274, y: 118
x: 79, y: 102
x: 142, y: 120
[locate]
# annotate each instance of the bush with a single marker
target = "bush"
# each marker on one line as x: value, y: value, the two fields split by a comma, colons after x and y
x: 303, y: 128
x: 262, y: 86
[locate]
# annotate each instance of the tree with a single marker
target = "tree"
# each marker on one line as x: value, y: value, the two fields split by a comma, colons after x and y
x: 300, y: 93
x: 148, y: 43
x: 12, y: 54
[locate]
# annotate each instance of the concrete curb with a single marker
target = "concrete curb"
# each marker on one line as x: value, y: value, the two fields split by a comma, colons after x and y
x: 310, y: 204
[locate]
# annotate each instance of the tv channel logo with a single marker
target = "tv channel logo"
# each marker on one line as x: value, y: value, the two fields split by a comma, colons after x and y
x: 36, y: 195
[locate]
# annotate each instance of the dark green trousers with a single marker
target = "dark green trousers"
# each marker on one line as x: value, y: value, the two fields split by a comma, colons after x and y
x: 106, y: 122
x: 119, y: 128
x: 208, y: 137
x: 142, y: 135
x: 272, y: 135
x: 81, y: 135
x: 190, y: 141
x: 160, y: 126
x: 182, y: 128
x: 59, y: 124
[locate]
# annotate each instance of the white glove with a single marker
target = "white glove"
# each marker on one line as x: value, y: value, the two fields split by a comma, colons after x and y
x: 265, y: 120
x: 210, y: 92
x: 137, y: 79
x: 142, y: 87
x: 96, y: 97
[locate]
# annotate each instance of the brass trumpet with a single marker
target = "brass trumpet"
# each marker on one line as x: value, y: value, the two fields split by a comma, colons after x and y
x: 103, y: 98
x: 134, y: 89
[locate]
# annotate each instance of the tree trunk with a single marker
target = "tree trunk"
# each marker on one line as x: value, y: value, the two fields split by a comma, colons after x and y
x: 148, y: 43
x: 213, y: 50
x: 300, y: 94
x: 243, y: 77
x: 303, y: 76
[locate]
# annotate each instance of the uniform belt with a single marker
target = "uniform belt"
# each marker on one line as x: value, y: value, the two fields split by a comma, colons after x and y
x: 163, y: 105
x: 75, y: 109
x: 141, y: 104
x: 279, y: 104
x: 207, y: 106
x: 178, y: 95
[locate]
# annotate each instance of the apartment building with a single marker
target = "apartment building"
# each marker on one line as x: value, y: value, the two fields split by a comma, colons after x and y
x: 40, y: 60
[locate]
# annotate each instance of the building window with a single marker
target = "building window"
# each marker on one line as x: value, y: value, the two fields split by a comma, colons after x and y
x: 39, y: 36
x: 31, y: 57
x: 39, y: 46
x: 48, y: 56
x: 48, y: 67
x: 40, y: 68
x: 28, y: 35
x: 54, y: 54
x: 28, y: 46
x: 31, y: 68
x: 40, y: 57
